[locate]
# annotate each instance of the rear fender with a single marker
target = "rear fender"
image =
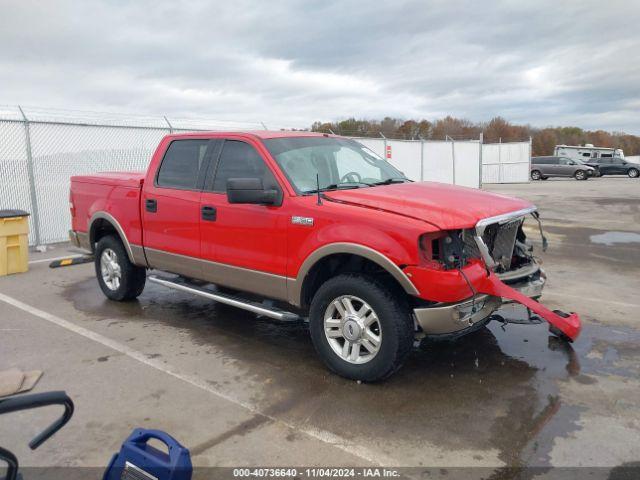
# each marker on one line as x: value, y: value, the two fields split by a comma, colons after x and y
x: 93, y: 229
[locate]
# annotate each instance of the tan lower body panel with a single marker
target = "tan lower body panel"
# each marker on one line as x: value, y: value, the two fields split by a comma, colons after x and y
x: 80, y: 240
x: 137, y: 255
x: 254, y: 281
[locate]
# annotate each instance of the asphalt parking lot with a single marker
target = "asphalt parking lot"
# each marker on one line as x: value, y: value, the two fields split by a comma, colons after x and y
x: 239, y: 390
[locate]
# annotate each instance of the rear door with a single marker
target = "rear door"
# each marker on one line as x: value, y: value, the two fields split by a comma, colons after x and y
x: 619, y: 166
x: 544, y: 165
x: 553, y: 167
x: 171, y: 207
x: 244, y: 245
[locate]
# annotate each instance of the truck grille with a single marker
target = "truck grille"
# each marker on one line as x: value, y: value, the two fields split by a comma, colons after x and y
x: 500, y: 240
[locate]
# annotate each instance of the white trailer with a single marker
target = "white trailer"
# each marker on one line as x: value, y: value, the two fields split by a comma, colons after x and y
x: 587, y: 152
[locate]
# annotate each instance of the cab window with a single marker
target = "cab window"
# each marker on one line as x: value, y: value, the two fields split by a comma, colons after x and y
x: 182, y: 164
x: 240, y: 160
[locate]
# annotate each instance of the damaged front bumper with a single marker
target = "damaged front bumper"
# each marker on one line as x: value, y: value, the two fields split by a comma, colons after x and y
x: 521, y: 285
x: 454, y: 318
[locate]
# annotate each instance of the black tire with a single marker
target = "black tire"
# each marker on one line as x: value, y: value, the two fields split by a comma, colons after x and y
x: 633, y: 173
x: 132, y: 278
x: 394, y: 317
x: 580, y: 175
x: 536, y: 175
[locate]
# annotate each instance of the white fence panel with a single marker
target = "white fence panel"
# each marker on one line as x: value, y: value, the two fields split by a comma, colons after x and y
x: 375, y: 144
x: 506, y: 162
x: 438, y: 162
x: 466, y: 157
x: 432, y: 160
x: 405, y: 156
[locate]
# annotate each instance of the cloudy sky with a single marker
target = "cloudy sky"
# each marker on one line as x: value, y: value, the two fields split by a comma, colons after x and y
x: 293, y: 62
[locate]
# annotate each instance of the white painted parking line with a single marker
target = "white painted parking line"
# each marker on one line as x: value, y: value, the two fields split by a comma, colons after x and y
x: 324, y: 436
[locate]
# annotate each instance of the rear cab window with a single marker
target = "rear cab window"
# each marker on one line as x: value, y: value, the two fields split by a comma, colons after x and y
x: 182, y: 164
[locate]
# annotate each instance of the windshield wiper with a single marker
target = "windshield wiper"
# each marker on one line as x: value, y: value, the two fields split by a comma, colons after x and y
x: 337, y: 186
x: 389, y: 181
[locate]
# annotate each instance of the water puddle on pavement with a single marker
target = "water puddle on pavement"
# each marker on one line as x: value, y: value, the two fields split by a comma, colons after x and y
x: 611, y: 238
x: 495, y: 389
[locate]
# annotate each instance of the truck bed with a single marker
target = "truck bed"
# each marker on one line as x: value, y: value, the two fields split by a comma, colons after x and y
x: 125, y: 179
x: 115, y: 192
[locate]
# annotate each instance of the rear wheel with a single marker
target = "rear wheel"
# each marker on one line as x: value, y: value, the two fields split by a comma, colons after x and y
x: 536, y: 175
x: 580, y: 175
x: 359, y: 328
x: 119, y: 279
x: 633, y: 173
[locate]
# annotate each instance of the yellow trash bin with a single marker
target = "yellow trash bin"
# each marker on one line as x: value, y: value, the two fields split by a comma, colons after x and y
x: 14, y: 245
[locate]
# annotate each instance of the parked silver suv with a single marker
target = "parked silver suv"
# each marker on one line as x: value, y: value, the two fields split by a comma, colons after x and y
x: 545, y: 167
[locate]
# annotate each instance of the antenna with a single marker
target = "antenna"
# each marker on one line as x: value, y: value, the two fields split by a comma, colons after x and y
x: 318, y: 189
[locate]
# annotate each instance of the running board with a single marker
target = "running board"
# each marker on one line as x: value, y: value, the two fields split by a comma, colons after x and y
x: 254, y: 307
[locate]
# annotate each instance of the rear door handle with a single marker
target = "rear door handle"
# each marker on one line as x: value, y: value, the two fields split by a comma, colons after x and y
x: 151, y: 205
x: 209, y: 213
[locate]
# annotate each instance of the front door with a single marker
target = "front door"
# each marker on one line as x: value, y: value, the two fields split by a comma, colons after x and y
x: 606, y: 166
x: 171, y: 208
x: 566, y: 167
x: 245, y: 245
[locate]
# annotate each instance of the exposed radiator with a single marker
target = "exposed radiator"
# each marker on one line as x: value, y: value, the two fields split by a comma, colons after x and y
x: 500, y: 240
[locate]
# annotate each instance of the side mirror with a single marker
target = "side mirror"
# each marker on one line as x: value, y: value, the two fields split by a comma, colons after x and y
x: 250, y: 190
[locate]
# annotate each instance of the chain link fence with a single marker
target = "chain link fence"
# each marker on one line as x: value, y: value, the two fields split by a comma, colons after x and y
x: 41, y: 149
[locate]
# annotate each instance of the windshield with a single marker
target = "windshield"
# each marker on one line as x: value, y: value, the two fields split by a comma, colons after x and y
x: 337, y: 162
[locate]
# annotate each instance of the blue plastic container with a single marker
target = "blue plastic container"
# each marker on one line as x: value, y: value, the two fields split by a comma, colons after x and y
x: 140, y: 461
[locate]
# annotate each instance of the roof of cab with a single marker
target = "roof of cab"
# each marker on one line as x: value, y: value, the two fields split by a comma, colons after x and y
x: 263, y: 134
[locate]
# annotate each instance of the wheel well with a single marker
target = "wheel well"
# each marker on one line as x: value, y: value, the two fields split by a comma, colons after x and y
x: 101, y: 228
x: 339, y: 263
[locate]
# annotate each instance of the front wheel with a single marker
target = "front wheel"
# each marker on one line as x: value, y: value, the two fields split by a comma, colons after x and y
x: 536, y: 175
x: 580, y: 175
x: 633, y: 173
x: 119, y: 279
x: 360, y: 329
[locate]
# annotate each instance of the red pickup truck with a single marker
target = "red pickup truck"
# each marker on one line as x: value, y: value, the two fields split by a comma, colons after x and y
x: 320, y: 226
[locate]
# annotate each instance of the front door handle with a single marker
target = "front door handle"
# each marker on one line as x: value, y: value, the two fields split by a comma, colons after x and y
x: 209, y: 213
x: 151, y: 205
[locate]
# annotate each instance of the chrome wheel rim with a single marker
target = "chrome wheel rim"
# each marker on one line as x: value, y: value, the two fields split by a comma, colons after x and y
x: 352, y: 329
x: 535, y: 176
x: 580, y: 175
x: 633, y: 173
x: 110, y: 269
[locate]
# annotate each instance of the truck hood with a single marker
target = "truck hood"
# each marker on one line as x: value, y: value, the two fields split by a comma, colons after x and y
x: 444, y: 206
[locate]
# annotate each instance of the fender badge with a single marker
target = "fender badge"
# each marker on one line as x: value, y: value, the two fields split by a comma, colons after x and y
x: 308, y: 221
